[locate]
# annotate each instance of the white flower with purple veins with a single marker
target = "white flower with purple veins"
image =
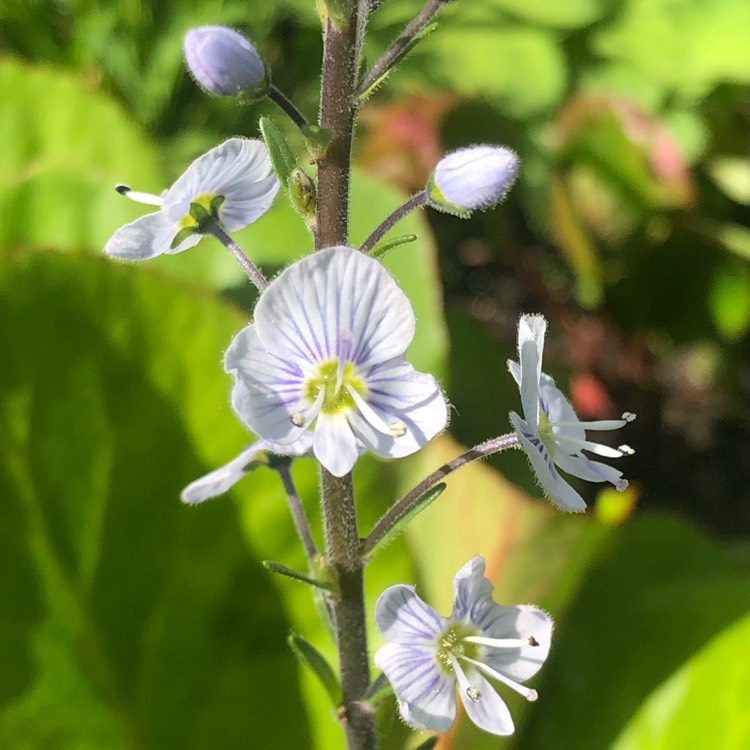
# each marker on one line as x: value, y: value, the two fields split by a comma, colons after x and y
x: 551, y: 434
x: 326, y: 351
x: 428, y: 655
x: 232, y: 184
x: 220, y: 480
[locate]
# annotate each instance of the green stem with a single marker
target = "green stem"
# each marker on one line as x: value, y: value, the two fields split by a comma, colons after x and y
x: 342, y: 43
x: 416, y: 201
x: 288, y: 106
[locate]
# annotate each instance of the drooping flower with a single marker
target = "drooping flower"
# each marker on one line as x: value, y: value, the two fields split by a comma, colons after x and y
x: 220, y: 480
x: 225, y: 63
x: 428, y: 656
x: 472, y: 178
x: 551, y: 434
x: 326, y: 351
x: 233, y: 184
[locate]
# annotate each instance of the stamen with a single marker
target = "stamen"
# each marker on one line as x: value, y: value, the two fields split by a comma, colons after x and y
x: 345, y: 345
x: 469, y: 690
x: 397, y: 428
x: 598, y: 448
x: 368, y: 412
x: 596, y: 425
x: 626, y: 450
x: 497, y: 642
x: 138, y: 197
x: 528, y: 693
x: 301, y: 418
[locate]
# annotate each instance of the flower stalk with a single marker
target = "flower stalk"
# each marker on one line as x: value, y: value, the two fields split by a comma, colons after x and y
x: 416, y: 201
x: 337, y: 113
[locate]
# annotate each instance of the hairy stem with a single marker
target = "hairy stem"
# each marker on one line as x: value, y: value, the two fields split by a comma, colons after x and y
x: 416, y: 201
x: 403, y: 506
x: 340, y: 61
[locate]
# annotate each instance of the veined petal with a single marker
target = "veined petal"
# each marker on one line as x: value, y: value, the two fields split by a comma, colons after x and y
x: 218, y: 481
x: 247, y: 202
x: 558, y: 409
x: 267, y: 392
x: 488, y: 711
x: 470, y: 586
x: 336, y: 297
x: 554, y: 486
x: 411, y: 398
x: 334, y: 444
x: 425, y: 693
x: 523, y: 622
x: 402, y: 616
x: 147, y: 237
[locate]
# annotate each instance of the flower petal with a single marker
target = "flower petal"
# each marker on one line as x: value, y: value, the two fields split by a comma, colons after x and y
x: 425, y: 693
x: 218, y: 481
x: 558, y: 409
x: 397, y: 392
x: 469, y: 587
x: 240, y: 170
x: 334, y: 299
x: 592, y: 471
x: 334, y: 444
x: 402, y: 616
x: 522, y: 621
x: 267, y: 391
x: 147, y: 237
x: 531, y: 330
x: 489, y: 711
x: 554, y: 486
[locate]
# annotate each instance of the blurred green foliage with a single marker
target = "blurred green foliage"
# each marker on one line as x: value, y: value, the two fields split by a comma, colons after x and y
x: 127, y: 620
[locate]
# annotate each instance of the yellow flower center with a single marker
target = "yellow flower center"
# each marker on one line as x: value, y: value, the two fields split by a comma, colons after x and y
x: 337, y: 397
x: 451, y: 643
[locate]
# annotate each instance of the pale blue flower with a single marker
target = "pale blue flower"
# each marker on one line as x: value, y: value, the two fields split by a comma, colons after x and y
x: 220, y: 480
x: 326, y: 351
x: 233, y: 183
x: 551, y: 434
x: 427, y: 655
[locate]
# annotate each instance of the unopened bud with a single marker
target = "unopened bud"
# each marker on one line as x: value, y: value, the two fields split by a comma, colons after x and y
x: 225, y: 63
x: 472, y: 178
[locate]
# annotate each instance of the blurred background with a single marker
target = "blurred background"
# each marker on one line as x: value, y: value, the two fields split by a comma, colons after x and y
x: 130, y: 621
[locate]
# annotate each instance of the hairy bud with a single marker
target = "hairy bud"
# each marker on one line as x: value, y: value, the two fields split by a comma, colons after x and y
x: 472, y: 178
x: 225, y: 63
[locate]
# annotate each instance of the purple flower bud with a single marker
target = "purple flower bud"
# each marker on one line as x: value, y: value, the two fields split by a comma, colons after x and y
x: 225, y: 63
x: 472, y: 178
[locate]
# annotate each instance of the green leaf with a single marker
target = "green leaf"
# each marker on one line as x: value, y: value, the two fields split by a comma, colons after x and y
x: 703, y: 704
x: 130, y: 619
x: 656, y: 592
x: 309, y: 656
x: 284, y: 160
x: 284, y: 570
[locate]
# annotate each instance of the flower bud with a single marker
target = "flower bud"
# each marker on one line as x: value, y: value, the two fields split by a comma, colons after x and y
x: 472, y: 178
x: 225, y: 63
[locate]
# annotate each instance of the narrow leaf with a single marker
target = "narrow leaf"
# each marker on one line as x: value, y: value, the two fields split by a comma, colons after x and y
x: 379, y: 688
x: 283, y: 570
x: 384, y: 247
x: 283, y: 158
x: 312, y: 658
x: 397, y: 526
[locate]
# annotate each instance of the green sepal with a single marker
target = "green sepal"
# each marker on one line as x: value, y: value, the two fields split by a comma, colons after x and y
x: 317, y: 140
x: 182, y: 235
x: 428, y: 744
x: 284, y: 160
x: 439, y: 202
x: 283, y: 570
x: 363, y: 96
x: 312, y: 658
x: 422, y: 502
x: 380, y: 250
x: 304, y: 196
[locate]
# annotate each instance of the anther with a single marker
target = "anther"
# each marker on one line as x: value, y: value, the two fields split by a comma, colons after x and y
x: 473, y: 694
x: 626, y: 450
x: 123, y: 189
x: 532, y: 641
x: 397, y: 428
x: 298, y: 419
x: 628, y: 416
